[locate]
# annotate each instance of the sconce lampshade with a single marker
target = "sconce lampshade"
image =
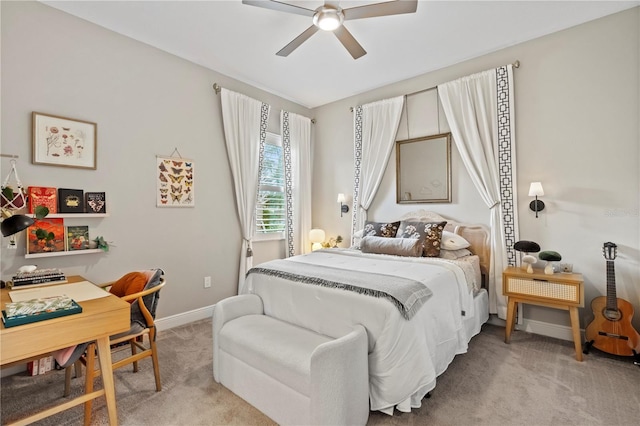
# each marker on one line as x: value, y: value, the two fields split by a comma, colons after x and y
x: 535, y: 190
x: 342, y: 198
x: 14, y: 224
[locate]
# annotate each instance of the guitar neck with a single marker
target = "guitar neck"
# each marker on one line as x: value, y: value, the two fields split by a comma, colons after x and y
x: 612, y: 298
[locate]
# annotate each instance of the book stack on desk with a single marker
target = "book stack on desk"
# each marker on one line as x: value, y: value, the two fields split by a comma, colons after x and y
x: 38, y: 277
x: 28, y: 311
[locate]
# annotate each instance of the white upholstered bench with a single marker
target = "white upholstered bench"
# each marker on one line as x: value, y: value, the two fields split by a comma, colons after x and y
x: 291, y: 374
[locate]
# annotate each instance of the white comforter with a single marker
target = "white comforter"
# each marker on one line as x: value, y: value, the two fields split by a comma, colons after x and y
x: 405, y: 357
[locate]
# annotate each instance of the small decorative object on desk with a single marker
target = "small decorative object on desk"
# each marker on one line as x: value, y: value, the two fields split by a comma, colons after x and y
x: 70, y: 200
x: 38, y: 277
x: 95, y: 202
x: 28, y: 311
x: 77, y: 237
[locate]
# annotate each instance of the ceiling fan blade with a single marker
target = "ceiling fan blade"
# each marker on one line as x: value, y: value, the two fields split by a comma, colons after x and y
x: 349, y: 42
x: 279, y: 6
x: 395, y: 7
x: 296, y: 42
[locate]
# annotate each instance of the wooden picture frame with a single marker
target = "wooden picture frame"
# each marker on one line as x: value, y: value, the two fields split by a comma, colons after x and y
x: 64, y: 142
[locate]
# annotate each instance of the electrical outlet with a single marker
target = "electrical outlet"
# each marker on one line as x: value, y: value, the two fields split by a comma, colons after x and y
x: 207, y: 282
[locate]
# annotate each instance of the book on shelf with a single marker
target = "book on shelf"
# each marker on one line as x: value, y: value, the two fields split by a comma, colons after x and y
x: 77, y: 237
x: 70, y: 200
x: 42, y: 196
x: 95, y: 202
x: 39, y: 277
x: 46, y: 236
x: 28, y: 311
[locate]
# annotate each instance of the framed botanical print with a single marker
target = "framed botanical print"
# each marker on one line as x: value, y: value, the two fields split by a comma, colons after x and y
x: 65, y: 142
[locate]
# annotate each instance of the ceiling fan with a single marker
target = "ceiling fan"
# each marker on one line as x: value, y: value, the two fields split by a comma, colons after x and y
x: 330, y: 16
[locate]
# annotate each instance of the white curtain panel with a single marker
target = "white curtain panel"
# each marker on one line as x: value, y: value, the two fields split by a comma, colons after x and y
x: 480, y: 112
x: 375, y: 127
x: 296, y: 141
x: 245, y: 129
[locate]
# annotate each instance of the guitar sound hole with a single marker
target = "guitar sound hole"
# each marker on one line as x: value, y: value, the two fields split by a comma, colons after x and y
x: 612, y: 314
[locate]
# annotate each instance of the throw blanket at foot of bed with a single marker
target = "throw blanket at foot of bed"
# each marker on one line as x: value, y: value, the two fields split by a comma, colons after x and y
x: 406, y: 294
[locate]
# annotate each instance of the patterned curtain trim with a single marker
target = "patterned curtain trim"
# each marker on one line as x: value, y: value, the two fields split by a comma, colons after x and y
x: 288, y: 182
x: 357, y: 125
x: 264, y: 117
x: 506, y: 162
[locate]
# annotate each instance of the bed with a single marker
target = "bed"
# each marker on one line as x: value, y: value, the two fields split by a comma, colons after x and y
x: 407, y: 349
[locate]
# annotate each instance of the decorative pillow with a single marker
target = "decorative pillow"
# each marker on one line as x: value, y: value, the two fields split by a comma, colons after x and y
x: 357, y: 237
x: 429, y: 232
x: 409, y: 247
x: 130, y: 283
x: 454, y: 254
x: 380, y: 229
x: 451, y: 241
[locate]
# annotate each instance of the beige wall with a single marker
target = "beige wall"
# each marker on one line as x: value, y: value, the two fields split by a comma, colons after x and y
x: 577, y: 96
x: 146, y: 102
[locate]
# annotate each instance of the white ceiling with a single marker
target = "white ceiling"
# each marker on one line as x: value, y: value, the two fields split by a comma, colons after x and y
x: 241, y: 41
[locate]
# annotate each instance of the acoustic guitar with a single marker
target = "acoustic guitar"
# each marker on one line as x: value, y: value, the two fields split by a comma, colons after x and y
x: 611, y: 330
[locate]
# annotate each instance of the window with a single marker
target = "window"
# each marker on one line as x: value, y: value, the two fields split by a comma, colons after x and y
x: 271, y: 209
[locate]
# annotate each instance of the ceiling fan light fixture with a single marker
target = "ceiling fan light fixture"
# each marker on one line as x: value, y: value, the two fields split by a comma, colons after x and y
x: 328, y: 18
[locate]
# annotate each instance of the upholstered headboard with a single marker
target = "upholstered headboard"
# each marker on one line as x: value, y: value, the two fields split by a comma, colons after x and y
x: 477, y: 234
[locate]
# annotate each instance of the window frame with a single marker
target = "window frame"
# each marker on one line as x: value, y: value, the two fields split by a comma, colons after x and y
x: 272, y: 139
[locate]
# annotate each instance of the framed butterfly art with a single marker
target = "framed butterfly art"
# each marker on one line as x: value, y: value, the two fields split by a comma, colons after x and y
x: 174, y: 182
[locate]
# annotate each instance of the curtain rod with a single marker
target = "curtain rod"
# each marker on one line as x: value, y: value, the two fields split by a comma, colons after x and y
x: 516, y: 64
x: 217, y: 88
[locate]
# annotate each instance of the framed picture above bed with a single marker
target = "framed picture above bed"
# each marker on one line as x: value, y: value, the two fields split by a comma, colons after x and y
x: 423, y: 170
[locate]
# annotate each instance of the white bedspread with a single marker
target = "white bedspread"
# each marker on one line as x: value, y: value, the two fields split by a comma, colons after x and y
x: 405, y: 356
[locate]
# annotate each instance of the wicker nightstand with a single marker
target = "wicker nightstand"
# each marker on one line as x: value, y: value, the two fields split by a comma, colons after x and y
x: 560, y: 291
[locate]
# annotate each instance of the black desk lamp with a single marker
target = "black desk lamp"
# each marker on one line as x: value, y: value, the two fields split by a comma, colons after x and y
x: 14, y: 224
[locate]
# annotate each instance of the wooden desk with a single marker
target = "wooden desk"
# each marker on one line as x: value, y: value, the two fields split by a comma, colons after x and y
x: 100, y: 318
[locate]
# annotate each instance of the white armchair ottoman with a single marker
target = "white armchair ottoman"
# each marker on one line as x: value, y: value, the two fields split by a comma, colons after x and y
x: 292, y: 374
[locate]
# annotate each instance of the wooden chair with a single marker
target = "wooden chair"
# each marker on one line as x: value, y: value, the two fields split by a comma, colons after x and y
x: 143, y: 309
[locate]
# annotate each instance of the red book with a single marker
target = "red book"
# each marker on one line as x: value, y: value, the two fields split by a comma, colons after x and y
x: 42, y: 196
x: 46, y: 235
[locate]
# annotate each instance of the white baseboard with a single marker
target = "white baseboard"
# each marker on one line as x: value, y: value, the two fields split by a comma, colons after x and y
x: 562, y: 332
x: 162, y: 324
x: 184, y: 318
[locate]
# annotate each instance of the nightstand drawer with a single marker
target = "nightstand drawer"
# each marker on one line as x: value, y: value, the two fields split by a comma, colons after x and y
x: 558, y: 289
x: 546, y: 289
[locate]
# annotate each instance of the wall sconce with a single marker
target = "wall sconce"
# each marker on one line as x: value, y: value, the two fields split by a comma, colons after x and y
x: 316, y: 236
x: 343, y: 207
x: 536, y: 190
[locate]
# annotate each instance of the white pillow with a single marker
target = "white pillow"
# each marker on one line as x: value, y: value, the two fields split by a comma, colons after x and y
x: 454, y: 254
x: 451, y: 241
x: 357, y: 238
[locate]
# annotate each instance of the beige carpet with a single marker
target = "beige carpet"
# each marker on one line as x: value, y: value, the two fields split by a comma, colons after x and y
x: 533, y: 381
